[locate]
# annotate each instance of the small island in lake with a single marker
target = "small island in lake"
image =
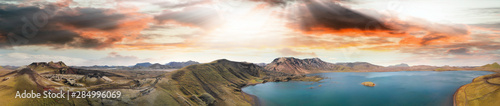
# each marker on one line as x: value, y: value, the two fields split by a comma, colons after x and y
x: 368, y: 84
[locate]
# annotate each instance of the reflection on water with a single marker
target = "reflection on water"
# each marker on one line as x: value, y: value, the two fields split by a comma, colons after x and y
x: 392, y: 88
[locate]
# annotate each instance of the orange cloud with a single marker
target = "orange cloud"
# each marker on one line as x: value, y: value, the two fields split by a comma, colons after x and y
x: 88, y: 28
x: 327, y: 18
x: 123, y: 30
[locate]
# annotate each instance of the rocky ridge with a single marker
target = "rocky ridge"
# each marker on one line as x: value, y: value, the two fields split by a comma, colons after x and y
x: 292, y: 65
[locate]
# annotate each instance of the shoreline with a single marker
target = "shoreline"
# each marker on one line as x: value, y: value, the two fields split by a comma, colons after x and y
x: 464, y: 87
x: 255, y: 100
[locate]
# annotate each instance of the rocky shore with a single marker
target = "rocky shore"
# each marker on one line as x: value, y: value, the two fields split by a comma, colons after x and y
x: 254, y: 100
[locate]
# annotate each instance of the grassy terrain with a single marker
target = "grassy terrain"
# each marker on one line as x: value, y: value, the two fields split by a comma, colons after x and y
x: 483, y: 91
x: 217, y: 83
x: 28, y: 80
x: 4, y: 71
x: 490, y: 67
x: 221, y: 79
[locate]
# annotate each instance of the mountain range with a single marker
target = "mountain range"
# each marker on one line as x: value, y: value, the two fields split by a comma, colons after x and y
x: 170, y: 65
x: 215, y: 83
x: 219, y: 82
x: 145, y: 66
x: 303, y: 66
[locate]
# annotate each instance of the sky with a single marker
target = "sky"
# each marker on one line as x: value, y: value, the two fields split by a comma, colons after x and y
x: 126, y: 32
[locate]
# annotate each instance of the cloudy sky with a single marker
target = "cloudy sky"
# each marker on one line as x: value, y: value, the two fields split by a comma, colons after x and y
x: 125, y: 32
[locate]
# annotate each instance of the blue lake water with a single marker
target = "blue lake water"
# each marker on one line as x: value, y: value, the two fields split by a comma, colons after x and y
x: 404, y: 88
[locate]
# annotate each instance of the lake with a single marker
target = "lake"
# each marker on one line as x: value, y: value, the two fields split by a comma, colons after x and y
x: 404, y: 88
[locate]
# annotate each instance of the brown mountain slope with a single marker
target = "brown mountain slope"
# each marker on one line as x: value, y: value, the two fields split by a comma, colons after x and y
x: 303, y: 66
x: 51, y: 67
x: 361, y: 66
x: 4, y: 70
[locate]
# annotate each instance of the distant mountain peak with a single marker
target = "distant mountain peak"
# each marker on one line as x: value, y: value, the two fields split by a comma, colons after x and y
x: 313, y: 59
x: 183, y: 64
x: 495, y: 63
x: 282, y: 59
x: 285, y: 59
x: 52, y: 64
x: 360, y: 65
x: 293, y: 65
x: 494, y: 66
x: 144, y: 64
x: 221, y: 60
x: 159, y: 66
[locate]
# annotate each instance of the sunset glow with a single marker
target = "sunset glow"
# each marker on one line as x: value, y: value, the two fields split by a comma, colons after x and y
x: 125, y: 32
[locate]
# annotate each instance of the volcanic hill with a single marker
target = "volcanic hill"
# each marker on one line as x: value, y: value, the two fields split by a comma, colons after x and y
x: 293, y: 65
x: 218, y: 83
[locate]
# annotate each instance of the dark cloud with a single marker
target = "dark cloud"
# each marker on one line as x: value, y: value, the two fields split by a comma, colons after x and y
x: 62, y: 38
x: 275, y: 2
x: 192, y: 16
x: 57, y: 26
x: 328, y: 15
x: 10, y: 16
x: 11, y: 20
x: 186, y: 3
x: 320, y: 17
x: 170, y: 4
x: 91, y: 18
x: 427, y: 39
x: 459, y: 51
x: 159, y: 27
x: 288, y: 2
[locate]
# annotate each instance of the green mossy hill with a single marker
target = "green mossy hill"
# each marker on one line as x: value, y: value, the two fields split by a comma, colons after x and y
x: 483, y: 91
x: 218, y: 83
x: 490, y: 67
x: 494, y: 65
x: 360, y: 65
